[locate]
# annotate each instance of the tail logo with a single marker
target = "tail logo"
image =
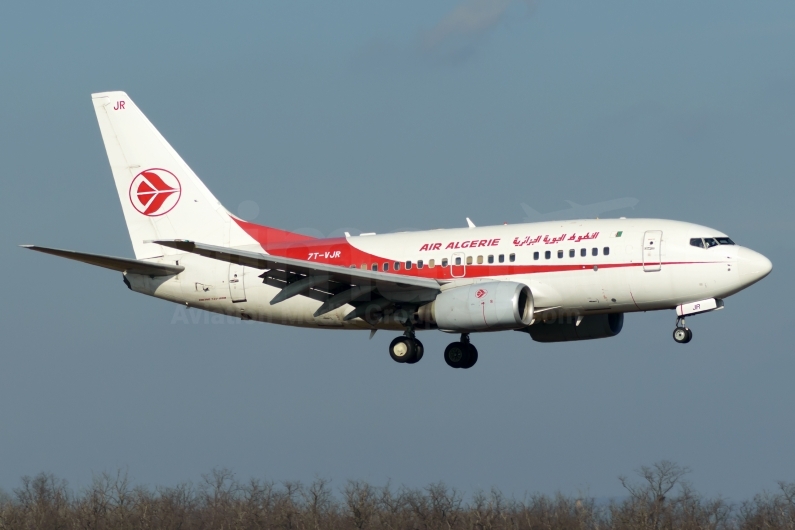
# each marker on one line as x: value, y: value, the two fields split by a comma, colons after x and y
x: 155, y: 192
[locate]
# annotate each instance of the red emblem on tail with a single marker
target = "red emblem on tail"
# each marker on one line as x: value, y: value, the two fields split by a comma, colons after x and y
x: 481, y: 293
x: 155, y: 192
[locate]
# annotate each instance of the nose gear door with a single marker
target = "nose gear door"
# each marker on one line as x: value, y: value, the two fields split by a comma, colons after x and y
x: 652, y: 242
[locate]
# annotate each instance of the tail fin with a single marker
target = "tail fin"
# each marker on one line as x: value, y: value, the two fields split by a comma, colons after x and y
x: 162, y: 198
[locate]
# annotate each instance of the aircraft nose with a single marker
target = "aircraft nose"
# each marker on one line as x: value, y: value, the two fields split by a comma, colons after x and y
x: 752, y: 266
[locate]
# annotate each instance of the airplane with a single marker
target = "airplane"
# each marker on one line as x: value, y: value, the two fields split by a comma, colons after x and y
x: 578, y: 211
x: 556, y: 281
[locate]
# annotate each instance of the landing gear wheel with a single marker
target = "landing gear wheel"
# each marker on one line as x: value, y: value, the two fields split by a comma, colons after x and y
x: 472, y: 357
x: 403, y: 349
x: 682, y: 335
x: 419, y: 349
x: 456, y: 354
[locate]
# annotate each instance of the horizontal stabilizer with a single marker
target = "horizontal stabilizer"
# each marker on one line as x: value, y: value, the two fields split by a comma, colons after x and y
x: 132, y: 266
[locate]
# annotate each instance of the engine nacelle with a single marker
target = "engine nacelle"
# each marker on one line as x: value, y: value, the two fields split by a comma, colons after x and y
x: 591, y: 327
x: 488, y: 306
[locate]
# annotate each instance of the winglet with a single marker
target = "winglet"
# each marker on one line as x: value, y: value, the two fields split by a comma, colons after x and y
x: 470, y: 223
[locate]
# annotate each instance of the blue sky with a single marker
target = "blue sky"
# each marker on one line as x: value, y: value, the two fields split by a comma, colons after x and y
x: 367, y: 117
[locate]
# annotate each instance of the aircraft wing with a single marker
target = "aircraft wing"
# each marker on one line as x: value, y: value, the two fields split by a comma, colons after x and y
x: 333, y: 285
x: 132, y: 266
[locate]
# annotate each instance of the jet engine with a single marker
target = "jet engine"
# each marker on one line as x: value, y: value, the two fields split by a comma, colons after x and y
x: 488, y: 306
x: 591, y: 327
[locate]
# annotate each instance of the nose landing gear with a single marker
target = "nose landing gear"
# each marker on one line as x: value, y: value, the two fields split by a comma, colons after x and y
x: 461, y: 354
x: 682, y: 333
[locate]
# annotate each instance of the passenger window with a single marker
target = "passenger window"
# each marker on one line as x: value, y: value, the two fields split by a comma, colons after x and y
x: 444, y: 262
x: 583, y: 252
x: 502, y: 258
x: 491, y: 259
x: 469, y: 260
x: 374, y: 266
x: 512, y: 257
x: 571, y: 253
x: 408, y: 265
x: 364, y: 266
x: 594, y: 251
x: 560, y: 254
x: 606, y: 251
x: 431, y: 263
x: 480, y: 260
x: 535, y: 255
x: 724, y: 241
x: 397, y: 265
x: 386, y: 267
x: 458, y: 261
x: 353, y: 266
x: 547, y: 254
x: 419, y: 263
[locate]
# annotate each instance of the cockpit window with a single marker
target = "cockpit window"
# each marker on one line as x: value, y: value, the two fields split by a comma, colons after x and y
x: 709, y: 242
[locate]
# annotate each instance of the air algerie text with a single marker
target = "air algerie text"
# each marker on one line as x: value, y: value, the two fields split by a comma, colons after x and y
x: 475, y: 243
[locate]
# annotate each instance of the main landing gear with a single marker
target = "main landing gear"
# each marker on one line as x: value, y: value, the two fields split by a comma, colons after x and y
x: 461, y: 354
x: 406, y: 349
x: 682, y: 333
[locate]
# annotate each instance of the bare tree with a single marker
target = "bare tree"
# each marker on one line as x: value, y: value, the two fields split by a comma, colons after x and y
x: 649, y: 496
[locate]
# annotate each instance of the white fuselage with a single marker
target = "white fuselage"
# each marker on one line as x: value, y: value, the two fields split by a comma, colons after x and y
x: 572, y: 267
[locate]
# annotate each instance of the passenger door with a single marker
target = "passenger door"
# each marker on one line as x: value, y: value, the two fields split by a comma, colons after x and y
x: 237, y: 284
x: 652, y: 242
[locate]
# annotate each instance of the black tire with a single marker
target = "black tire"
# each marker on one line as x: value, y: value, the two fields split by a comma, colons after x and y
x: 419, y: 350
x: 456, y: 354
x: 402, y: 349
x: 682, y: 335
x: 472, y: 357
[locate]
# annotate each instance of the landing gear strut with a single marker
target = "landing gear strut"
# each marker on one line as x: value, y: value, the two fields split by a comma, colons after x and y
x: 461, y: 354
x: 682, y: 333
x: 406, y: 349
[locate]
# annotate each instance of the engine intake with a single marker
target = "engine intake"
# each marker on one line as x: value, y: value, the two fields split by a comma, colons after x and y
x: 488, y: 306
x: 591, y: 327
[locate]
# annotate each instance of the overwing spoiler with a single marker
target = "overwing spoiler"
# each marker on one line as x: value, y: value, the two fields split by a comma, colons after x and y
x: 132, y: 266
x: 333, y: 285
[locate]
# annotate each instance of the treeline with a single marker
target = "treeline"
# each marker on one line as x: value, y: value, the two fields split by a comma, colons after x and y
x: 658, y: 498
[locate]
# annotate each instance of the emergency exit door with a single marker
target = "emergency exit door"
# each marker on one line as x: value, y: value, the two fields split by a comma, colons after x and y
x: 458, y: 266
x: 652, y: 257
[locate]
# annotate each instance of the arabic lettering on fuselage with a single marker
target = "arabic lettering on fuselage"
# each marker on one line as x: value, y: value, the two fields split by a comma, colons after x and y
x: 552, y: 240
